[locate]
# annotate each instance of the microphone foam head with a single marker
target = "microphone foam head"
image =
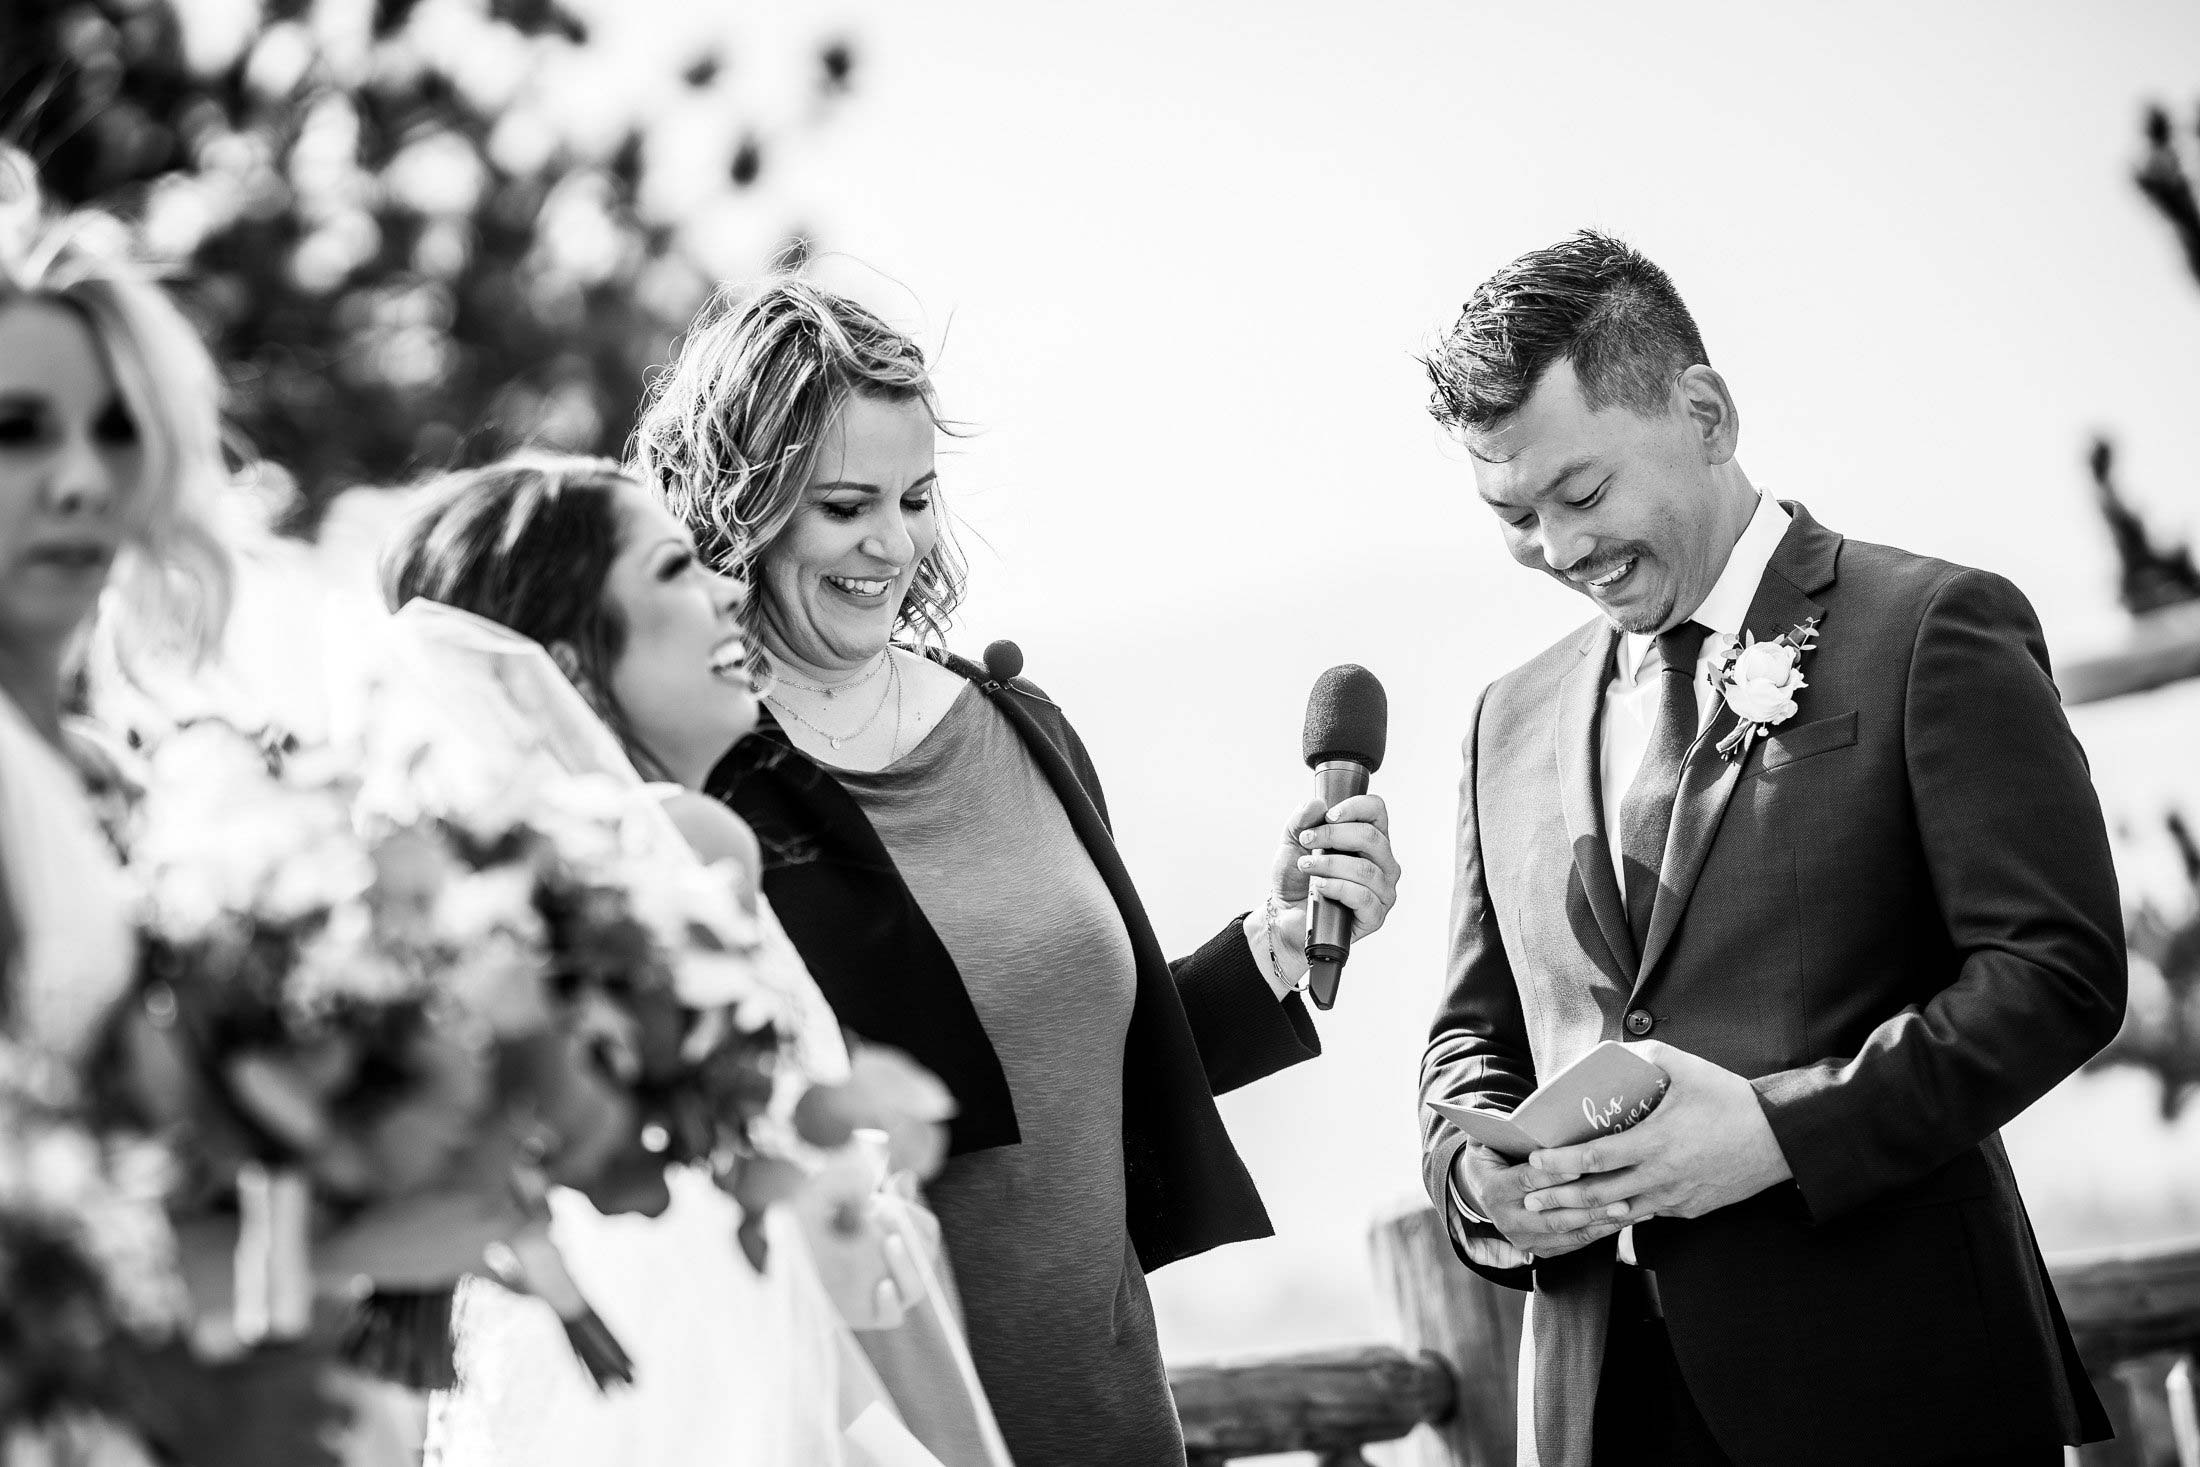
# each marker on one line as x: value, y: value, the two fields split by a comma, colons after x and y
x: 1347, y: 717
x: 1004, y: 660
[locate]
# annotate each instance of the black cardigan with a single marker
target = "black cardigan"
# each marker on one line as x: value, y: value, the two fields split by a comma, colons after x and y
x: 1200, y: 1026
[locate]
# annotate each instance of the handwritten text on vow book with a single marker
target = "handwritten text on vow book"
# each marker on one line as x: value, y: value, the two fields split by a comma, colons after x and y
x: 1608, y: 1089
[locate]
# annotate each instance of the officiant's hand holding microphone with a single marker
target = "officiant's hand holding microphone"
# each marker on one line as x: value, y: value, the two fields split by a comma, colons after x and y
x: 1335, y: 877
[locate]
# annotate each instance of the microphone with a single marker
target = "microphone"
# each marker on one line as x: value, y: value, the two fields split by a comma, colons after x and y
x: 1347, y: 725
x: 1004, y: 661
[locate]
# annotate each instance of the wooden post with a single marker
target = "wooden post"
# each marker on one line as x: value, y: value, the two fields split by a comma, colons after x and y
x: 2128, y: 1306
x: 1443, y: 1306
x: 2184, y: 1412
x: 2123, y: 1398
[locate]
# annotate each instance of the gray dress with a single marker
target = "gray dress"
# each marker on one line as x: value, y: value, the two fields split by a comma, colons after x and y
x: 1061, y: 1328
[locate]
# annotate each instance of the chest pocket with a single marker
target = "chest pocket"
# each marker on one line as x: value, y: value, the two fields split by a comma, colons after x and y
x: 1820, y: 737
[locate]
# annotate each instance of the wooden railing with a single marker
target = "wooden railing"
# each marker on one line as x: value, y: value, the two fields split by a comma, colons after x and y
x: 2162, y: 647
x: 1447, y: 1383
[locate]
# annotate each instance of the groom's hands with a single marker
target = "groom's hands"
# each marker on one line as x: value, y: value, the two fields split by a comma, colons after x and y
x: 1707, y: 1145
x: 1496, y: 1189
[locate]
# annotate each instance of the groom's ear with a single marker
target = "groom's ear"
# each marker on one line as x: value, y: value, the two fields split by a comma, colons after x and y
x: 1711, y: 410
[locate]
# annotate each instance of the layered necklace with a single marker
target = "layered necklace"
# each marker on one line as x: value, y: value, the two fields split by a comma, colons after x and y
x: 890, y: 693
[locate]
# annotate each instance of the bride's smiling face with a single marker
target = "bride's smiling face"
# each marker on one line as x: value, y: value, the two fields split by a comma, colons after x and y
x: 679, y: 679
x: 834, y: 580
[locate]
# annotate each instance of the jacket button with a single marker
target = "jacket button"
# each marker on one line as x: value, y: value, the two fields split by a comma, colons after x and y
x: 1639, y: 1022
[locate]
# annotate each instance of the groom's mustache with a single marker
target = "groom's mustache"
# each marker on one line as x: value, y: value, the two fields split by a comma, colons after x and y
x: 1583, y: 571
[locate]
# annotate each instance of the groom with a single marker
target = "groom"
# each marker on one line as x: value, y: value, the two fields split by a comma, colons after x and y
x: 1850, y: 888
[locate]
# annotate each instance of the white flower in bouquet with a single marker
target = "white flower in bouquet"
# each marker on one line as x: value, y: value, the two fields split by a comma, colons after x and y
x: 345, y: 964
x: 210, y: 761
x: 488, y: 920
x: 713, y: 980
x: 497, y: 983
x: 498, y: 901
x: 690, y: 907
x: 221, y: 840
x: 107, y: 1197
x: 327, y: 871
x: 126, y: 1228
x: 592, y: 820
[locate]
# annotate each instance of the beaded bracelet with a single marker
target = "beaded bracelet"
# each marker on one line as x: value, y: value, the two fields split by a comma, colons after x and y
x: 1274, y: 966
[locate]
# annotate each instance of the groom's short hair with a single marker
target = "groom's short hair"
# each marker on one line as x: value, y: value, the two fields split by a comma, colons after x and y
x: 1590, y: 299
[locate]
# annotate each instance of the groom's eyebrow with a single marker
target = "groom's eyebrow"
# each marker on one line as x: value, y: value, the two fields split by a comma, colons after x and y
x: 1557, y: 481
x: 1565, y: 472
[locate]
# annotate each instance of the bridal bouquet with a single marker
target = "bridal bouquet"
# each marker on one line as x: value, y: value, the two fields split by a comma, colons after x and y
x: 381, y: 1029
x: 96, y: 1359
x: 87, y: 1261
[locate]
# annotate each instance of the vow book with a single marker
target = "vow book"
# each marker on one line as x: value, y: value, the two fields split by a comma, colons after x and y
x: 1605, y: 1091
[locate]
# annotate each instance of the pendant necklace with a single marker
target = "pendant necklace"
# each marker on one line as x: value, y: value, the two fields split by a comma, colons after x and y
x: 892, y: 693
x: 830, y: 691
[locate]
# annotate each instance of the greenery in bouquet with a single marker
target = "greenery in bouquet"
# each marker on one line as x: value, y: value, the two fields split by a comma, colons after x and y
x: 378, y: 1034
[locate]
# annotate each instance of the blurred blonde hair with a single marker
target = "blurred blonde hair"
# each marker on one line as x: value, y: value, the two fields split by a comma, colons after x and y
x: 170, y: 591
x: 731, y: 429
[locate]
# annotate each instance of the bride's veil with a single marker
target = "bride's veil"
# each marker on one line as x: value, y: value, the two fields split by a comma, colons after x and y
x: 456, y: 711
x: 452, y: 698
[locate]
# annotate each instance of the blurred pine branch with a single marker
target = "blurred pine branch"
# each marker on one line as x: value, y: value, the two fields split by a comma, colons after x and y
x: 2161, y: 1031
x: 2151, y: 575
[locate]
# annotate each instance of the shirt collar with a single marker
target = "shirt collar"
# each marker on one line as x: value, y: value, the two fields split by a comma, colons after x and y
x: 1727, y: 607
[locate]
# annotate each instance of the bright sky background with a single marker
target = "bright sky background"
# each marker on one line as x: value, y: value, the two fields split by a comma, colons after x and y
x: 1174, y: 261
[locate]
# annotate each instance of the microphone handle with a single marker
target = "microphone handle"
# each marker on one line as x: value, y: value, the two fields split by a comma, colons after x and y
x: 1329, y: 923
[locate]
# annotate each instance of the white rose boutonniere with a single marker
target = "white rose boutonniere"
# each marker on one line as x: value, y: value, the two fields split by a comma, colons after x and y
x: 1759, y: 681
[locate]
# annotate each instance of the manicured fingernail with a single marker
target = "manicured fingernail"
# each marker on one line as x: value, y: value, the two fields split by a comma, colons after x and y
x: 1306, y: 863
x: 1532, y: 1202
x: 1306, y: 837
x: 1334, y: 814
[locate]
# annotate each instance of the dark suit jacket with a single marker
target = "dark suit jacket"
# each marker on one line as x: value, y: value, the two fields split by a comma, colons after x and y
x: 1898, y: 917
x: 1200, y: 1026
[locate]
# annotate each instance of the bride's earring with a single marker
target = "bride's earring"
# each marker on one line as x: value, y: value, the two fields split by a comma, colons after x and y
x: 569, y: 663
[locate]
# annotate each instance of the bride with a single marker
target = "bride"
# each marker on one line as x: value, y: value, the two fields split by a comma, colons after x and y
x: 551, y: 616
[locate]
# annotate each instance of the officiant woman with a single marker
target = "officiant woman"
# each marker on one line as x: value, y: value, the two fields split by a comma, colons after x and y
x: 935, y: 838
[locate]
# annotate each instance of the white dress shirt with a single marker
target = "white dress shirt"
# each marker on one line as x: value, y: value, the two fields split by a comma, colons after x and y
x: 1631, y: 703
x: 1631, y: 706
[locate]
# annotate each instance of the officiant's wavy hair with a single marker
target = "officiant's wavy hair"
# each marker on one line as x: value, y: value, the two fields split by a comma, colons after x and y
x: 1592, y: 300
x: 732, y: 428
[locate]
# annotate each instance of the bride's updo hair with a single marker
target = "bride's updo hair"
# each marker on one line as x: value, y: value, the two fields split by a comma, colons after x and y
x: 170, y: 590
x: 527, y: 542
x: 732, y: 428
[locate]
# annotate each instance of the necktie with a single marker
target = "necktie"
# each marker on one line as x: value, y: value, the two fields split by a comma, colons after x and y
x: 1647, y: 810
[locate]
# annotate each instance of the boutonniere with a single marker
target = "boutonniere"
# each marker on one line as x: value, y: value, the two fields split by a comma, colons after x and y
x: 1759, y: 681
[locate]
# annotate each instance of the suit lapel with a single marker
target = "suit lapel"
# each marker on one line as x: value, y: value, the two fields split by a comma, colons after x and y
x: 1801, y: 566
x: 1580, y: 704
